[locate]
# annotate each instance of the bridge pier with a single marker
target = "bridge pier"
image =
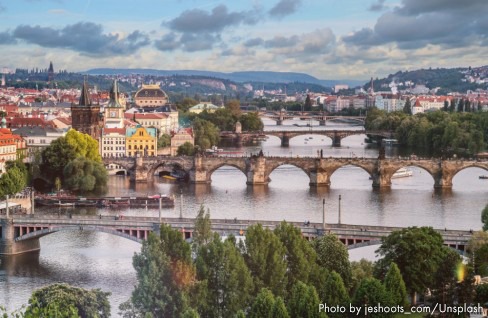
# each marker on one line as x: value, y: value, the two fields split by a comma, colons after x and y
x: 322, y: 122
x: 140, y: 172
x: 279, y: 122
x: 8, y: 245
x: 336, y: 140
x: 285, y: 141
x: 256, y: 171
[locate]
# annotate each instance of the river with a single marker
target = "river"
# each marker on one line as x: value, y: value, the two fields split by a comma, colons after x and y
x: 99, y: 260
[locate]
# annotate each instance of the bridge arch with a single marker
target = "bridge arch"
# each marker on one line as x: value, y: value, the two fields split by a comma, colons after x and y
x: 472, y: 165
x: 273, y: 166
x: 170, y: 164
x: 226, y: 164
x: 460, y: 249
x: 366, y: 168
x: 46, y: 231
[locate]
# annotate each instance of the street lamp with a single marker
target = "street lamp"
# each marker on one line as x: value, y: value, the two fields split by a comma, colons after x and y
x: 323, y: 214
x: 181, y: 203
x: 339, y: 209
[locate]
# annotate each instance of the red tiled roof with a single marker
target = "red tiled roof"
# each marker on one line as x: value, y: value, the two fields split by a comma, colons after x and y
x: 146, y: 115
x: 107, y: 131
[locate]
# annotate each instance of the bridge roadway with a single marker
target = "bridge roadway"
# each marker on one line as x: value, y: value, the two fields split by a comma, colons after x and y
x: 21, y: 233
x: 281, y: 116
x: 257, y: 168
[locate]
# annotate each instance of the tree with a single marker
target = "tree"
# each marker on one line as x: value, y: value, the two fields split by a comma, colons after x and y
x: 165, y: 275
x: 251, y: 122
x: 460, y: 106
x: 304, y: 302
x: 185, y: 104
x: 265, y: 257
x: 164, y: 141
x: 202, y: 235
x: 335, y: 293
x: 407, y: 108
x: 452, y: 105
x: 85, y: 145
x: 484, y: 218
x: 308, y: 103
x: 300, y: 255
x: 417, y: 252
x: 333, y: 256
x: 360, y: 270
x: 234, y: 105
x: 68, y: 301
x: 206, y: 133
x: 446, y: 106
x: 279, y: 309
x: 85, y: 175
x: 187, y: 149
x: 228, y: 280
x: 190, y: 313
x: 55, y: 158
x: 370, y: 293
x: 395, y: 286
x: 12, y: 181
x: 263, y: 305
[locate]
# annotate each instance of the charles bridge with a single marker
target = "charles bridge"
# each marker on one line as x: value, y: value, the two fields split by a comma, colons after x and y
x: 257, y: 168
x: 21, y: 233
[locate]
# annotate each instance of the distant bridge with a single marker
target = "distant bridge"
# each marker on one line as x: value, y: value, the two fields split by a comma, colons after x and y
x: 321, y: 117
x: 20, y: 234
x: 258, y: 168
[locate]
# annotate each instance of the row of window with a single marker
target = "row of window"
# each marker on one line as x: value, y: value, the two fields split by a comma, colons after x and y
x: 140, y: 147
x: 116, y: 148
x: 7, y: 149
x: 117, y: 142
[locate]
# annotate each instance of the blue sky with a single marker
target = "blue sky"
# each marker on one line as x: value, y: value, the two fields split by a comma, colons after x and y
x: 329, y: 39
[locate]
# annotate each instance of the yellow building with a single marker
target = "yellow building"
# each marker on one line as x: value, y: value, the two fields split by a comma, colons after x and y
x: 141, y: 140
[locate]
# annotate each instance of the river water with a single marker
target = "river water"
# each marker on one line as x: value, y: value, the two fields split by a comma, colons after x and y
x: 99, y: 260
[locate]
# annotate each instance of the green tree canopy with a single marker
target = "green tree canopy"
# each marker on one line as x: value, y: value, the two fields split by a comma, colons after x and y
x: 202, y: 235
x: 84, y: 145
x: 13, y: 181
x: 187, y: 149
x: 335, y: 293
x: 371, y: 292
x: 360, y: 270
x: 164, y: 141
x: 56, y: 157
x: 263, y: 305
x: 279, y: 309
x: 304, y: 302
x: 395, y: 286
x: 251, y: 122
x: 418, y: 252
x: 206, y: 133
x: 333, y: 256
x: 85, y: 175
x: 265, y: 257
x: 484, y: 218
x: 69, y: 301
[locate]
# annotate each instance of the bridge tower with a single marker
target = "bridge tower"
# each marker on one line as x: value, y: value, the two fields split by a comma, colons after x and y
x: 8, y: 245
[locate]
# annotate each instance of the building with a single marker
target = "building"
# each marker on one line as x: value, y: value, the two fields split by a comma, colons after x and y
x: 179, y: 138
x: 112, y: 142
x: 198, y: 108
x: 150, y: 96
x: 50, y: 72
x: 85, y: 116
x: 12, y: 146
x: 141, y: 141
x: 38, y: 138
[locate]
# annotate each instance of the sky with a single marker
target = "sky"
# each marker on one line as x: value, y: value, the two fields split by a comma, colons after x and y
x: 328, y: 39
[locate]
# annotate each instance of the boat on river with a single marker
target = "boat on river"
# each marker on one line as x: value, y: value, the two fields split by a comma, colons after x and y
x: 402, y: 173
x: 103, y: 202
x: 484, y: 177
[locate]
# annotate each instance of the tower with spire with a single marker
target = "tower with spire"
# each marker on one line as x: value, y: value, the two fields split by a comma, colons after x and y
x: 86, y: 117
x: 50, y: 72
x: 114, y: 112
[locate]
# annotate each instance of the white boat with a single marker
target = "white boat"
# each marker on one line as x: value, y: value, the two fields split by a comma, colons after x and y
x: 401, y: 173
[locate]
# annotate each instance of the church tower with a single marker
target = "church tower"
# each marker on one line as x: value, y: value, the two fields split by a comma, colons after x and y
x: 114, y: 112
x: 50, y: 72
x: 85, y: 117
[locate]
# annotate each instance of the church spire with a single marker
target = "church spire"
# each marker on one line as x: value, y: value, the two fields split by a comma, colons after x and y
x: 114, y: 96
x: 85, y: 95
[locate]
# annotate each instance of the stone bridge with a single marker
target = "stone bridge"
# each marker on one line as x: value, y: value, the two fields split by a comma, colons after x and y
x: 21, y: 233
x: 321, y: 117
x: 335, y: 135
x: 257, y: 169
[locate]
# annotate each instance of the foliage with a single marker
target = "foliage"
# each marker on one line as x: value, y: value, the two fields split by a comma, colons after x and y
x: 85, y: 175
x: 335, y: 293
x: 55, y: 157
x: 187, y: 149
x: 308, y: 103
x: 300, y: 255
x: 190, y: 313
x: 164, y: 141
x: 360, y: 270
x: 263, y: 305
x: 481, y: 294
x: 333, y: 256
x: 165, y: 275
x: 13, y: 181
x: 438, y: 132
x: 185, y: 104
x: 304, y: 302
x: 371, y: 292
x: 418, y: 253
x: 84, y: 145
x: 206, y: 133
x: 484, y: 218
x: 279, y: 309
x: 395, y: 286
x: 202, y: 235
x: 68, y: 301
x: 265, y: 257
x: 445, y: 279
x: 407, y: 108
x: 229, y: 282
x: 251, y: 122
x: 234, y: 106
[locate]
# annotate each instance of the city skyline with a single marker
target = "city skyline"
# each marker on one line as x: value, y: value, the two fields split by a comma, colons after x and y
x: 326, y: 39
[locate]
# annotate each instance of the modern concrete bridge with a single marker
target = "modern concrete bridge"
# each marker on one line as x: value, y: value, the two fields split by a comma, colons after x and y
x: 258, y: 168
x: 21, y: 233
